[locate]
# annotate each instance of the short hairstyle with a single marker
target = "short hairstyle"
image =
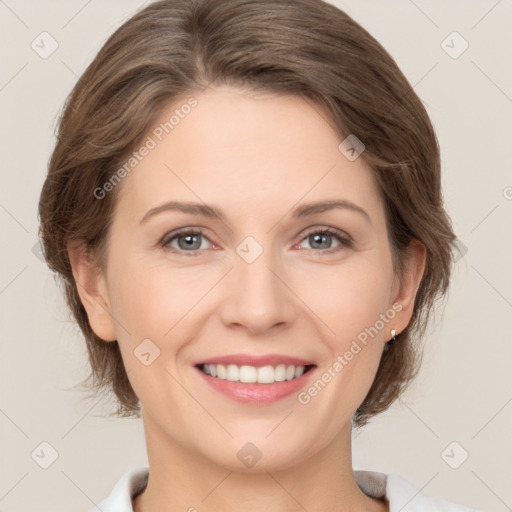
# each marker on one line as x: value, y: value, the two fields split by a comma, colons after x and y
x: 306, y: 48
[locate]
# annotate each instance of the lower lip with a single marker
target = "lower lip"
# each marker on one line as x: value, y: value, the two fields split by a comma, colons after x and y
x: 256, y: 393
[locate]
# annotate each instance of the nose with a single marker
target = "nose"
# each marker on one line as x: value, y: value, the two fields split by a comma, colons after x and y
x: 257, y: 297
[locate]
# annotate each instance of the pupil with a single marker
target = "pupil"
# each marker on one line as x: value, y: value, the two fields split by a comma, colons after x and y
x: 190, y: 241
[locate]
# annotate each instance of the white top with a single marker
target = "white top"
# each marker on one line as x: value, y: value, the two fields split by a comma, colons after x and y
x: 401, y: 495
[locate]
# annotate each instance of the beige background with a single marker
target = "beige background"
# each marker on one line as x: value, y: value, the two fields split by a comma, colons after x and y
x: 464, y: 392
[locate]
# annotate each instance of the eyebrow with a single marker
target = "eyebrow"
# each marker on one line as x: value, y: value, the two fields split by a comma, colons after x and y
x: 209, y: 211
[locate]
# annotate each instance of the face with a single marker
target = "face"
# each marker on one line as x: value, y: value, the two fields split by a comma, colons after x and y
x: 263, y: 276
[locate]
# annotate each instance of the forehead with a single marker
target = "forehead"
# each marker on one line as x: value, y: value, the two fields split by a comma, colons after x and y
x: 248, y: 151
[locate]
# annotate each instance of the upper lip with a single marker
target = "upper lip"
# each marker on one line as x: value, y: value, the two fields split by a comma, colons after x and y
x: 256, y: 360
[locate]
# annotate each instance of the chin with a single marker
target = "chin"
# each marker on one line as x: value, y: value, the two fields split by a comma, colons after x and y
x: 258, y: 457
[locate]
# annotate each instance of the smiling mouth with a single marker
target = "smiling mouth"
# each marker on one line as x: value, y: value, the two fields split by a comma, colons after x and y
x: 255, y: 375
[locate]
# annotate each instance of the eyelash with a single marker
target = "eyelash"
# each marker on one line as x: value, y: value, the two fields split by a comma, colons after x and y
x: 344, y: 240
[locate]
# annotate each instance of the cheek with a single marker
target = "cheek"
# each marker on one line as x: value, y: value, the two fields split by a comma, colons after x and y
x: 352, y: 305
x: 152, y: 306
x: 150, y: 299
x: 350, y: 298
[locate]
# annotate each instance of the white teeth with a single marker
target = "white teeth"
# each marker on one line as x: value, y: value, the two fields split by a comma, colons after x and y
x: 280, y: 373
x: 232, y: 373
x: 252, y: 374
x: 221, y: 370
x: 266, y: 375
x: 248, y: 374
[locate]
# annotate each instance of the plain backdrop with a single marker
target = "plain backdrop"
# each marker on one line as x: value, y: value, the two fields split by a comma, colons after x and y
x: 450, y: 433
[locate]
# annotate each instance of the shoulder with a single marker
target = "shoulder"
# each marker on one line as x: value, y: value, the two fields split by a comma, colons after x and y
x: 127, y: 487
x: 402, y: 495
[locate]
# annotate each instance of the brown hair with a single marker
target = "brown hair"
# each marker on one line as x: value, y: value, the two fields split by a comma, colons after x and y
x: 307, y: 48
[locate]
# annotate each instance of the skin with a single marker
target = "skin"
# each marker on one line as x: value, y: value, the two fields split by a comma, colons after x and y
x: 257, y: 157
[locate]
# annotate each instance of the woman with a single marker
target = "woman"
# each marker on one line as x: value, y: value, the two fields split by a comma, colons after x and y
x: 244, y: 204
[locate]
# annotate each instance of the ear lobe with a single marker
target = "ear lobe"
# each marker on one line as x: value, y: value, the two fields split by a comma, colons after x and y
x: 414, y: 267
x: 92, y: 289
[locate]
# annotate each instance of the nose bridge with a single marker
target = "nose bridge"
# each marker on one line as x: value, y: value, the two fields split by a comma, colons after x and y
x: 257, y: 297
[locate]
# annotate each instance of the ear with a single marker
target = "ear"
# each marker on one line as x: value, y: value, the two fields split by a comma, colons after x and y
x: 92, y: 289
x: 406, y: 287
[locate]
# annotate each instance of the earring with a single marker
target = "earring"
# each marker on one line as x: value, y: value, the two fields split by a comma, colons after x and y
x: 393, y: 338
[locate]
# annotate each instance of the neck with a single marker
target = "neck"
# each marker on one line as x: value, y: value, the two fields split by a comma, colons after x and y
x: 180, y: 478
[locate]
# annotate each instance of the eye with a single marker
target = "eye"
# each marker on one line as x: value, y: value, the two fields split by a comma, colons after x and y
x: 321, y: 239
x: 187, y: 240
